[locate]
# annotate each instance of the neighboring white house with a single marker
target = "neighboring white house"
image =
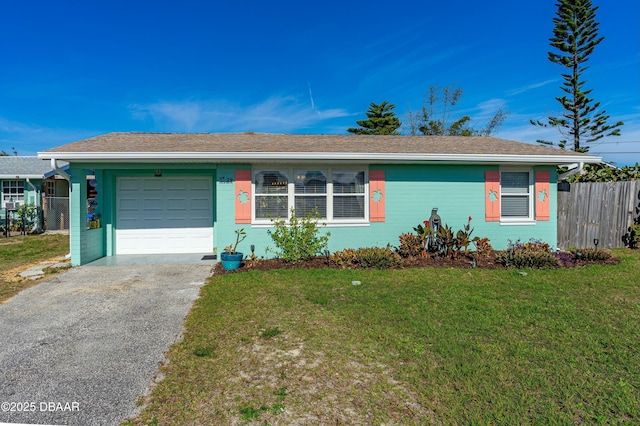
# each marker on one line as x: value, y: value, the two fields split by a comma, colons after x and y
x: 30, y: 180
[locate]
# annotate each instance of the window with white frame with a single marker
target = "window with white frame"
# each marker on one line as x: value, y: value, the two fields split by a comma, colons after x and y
x: 338, y: 195
x: 516, y: 189
x: 12, y: 191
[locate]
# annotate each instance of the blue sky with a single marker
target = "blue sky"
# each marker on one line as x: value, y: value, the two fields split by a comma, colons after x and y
x: 75, y: 69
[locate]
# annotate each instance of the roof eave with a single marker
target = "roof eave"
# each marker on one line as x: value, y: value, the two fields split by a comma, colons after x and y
x: 316, y: 156
x: 20, y: 176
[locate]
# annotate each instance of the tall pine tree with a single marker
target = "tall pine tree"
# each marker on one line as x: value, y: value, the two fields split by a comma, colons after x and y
x: 381, y: 120
x: 575, y: 36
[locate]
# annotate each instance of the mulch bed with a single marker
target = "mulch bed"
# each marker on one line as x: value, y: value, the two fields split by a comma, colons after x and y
x: 462, y: 261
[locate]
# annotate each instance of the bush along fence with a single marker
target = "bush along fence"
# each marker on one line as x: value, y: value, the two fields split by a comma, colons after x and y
x: 606, y: 212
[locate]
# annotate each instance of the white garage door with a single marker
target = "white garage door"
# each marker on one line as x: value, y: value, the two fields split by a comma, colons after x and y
x: 164, y: 215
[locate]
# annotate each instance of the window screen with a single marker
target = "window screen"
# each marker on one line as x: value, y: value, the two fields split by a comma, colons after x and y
x: 515, y: 193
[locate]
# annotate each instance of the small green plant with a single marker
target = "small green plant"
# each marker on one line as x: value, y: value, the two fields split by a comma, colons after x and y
x: 27, y: 217
x: 250, y: 413
x: 270, y: 332
x: 240, y: 236
x: 299, y: 239
x: 532, y: 254
x: 203, y: 351
x: 411, y: 245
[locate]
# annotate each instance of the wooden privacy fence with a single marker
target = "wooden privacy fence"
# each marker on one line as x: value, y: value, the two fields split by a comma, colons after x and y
x: 602, y: 210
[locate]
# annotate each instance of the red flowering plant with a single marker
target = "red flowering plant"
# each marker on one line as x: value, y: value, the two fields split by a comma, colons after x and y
x: 423, y: 230
x: 463, y: 237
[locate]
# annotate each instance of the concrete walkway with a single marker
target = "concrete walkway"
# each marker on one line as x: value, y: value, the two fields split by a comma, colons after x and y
x: 81, y: 348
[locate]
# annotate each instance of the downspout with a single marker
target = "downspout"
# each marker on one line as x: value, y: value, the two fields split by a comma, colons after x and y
x: 573, y: 171
x: 38, y: 204
x: 65, y: 175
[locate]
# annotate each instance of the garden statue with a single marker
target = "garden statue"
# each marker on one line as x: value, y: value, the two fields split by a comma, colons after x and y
x: 435, y: 222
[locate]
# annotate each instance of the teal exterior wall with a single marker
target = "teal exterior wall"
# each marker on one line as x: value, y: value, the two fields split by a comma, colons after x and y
x: 91, y: 244
x: 86, y: 244
x: 459, y: 193
x: 411, y: 192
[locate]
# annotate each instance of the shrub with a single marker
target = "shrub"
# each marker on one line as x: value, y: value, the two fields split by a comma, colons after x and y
x: 632, y: 238
x: 300, y: 239
x: 463, y: 237
x: 27, y: 217
x: 411, y: 245
x: 378, y: 257
x: 590, y: 254
x: 483, y: 246
x: 445, y: 240
x: 567, y: 259
x: 346, y: 258
x: 532, y: 254
x: 368, y: 257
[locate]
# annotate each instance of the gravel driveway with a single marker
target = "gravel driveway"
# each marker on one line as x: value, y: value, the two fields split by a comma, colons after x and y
x: 81, y: 348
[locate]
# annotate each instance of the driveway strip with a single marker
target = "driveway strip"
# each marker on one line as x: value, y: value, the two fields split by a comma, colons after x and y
x: 81, y: 348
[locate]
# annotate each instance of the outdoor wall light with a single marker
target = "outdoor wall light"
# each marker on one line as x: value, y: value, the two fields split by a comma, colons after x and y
x: 158, y: 173
x: 595, y: 243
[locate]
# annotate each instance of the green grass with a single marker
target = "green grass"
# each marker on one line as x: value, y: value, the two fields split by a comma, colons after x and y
x: 22, y: 251
x: 444, y: 346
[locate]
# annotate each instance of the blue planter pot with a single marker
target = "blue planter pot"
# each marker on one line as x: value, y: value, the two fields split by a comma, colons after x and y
x: 231, y: 261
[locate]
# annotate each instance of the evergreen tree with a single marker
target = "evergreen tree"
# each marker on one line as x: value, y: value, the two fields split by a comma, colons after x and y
x: 381, y: 120
x: 575, y: 36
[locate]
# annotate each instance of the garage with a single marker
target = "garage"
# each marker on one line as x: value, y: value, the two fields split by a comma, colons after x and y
x: 162, y: 215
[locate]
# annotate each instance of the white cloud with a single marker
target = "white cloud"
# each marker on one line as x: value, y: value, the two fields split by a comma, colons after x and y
x: 275, y: 114
x: 531, y: 86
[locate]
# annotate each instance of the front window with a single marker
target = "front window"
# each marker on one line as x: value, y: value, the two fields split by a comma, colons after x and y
x: 310, y: 188
x: 12, y: 191
x: 515, y: 194
x: 337, y: 195
x: 348, y: 194
x: 271, y: 189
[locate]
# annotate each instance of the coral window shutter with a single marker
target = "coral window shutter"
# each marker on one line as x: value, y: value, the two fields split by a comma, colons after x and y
x: 377, y: 196
x: 492, y: 195
x: 542, y: 195
x: 242, y: 196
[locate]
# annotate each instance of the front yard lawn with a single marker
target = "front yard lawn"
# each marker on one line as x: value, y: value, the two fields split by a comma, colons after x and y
x: 18, y: 253
x: 409, y: 346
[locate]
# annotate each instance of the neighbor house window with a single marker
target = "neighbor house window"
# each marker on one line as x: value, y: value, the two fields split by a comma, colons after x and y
x: 516, y: 201
x: 50, y: 188
x: 12, y: 191
x: 337, y: 195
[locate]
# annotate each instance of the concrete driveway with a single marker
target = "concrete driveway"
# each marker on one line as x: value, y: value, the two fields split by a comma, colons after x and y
x: 81, y: 348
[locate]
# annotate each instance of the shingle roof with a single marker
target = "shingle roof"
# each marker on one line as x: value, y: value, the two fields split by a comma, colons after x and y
x: 23, y: 167
x: 310, y: 145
